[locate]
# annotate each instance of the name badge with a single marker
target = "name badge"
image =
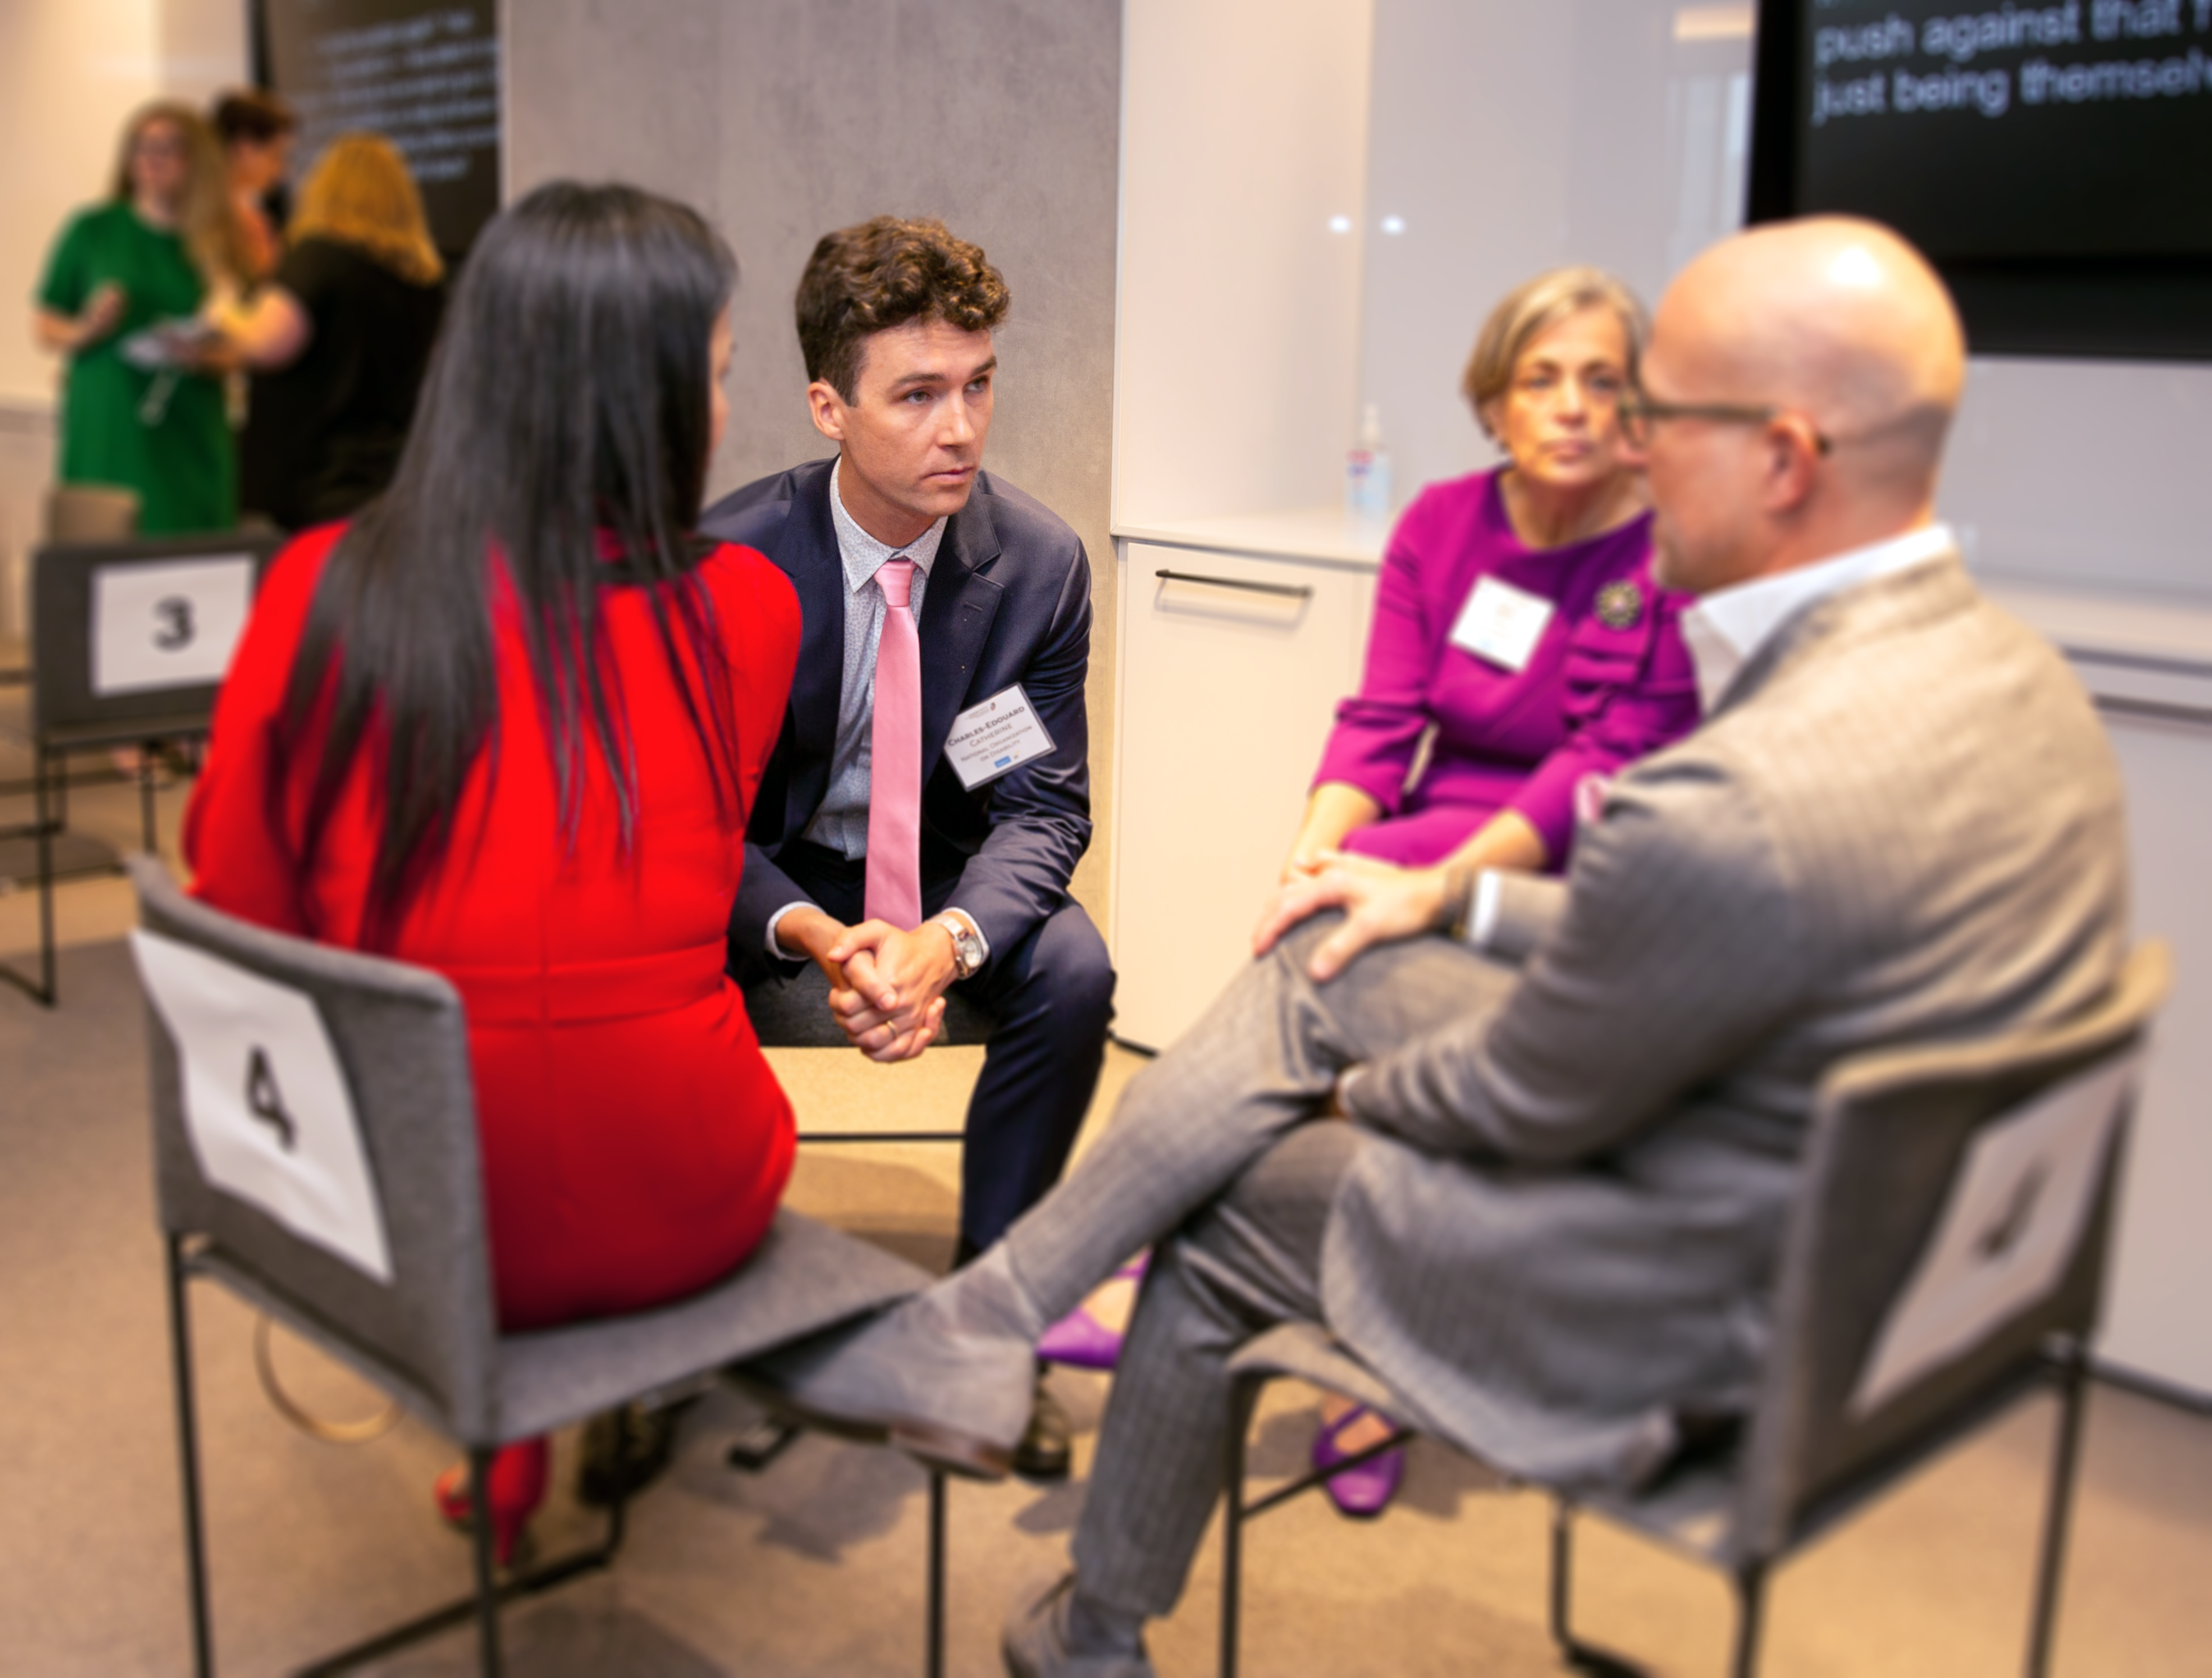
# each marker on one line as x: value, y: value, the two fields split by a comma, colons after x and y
x: 1501, y: 624
x: 998, y: 736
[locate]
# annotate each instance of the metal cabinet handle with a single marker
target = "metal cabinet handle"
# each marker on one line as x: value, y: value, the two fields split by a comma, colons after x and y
x: 1291, y: 591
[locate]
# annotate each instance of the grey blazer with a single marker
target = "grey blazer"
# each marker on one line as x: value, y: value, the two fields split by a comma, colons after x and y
x: 1902, y: 824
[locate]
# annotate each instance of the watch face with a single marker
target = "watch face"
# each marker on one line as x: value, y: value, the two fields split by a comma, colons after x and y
x: 967, y: 948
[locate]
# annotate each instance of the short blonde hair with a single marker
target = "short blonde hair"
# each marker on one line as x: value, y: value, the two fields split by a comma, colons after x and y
x: 361, y: 193
x: 1534, y: 307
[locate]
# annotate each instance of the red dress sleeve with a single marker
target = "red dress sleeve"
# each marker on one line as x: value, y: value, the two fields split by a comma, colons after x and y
x: 244, y: 858
x: 757, y: 610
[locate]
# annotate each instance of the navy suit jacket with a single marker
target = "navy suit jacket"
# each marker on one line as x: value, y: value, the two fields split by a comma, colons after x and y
x: 1008, y: 601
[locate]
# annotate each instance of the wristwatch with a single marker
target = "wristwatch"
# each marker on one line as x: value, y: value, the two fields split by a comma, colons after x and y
x: 967, y: 948
x: 1459, y: 902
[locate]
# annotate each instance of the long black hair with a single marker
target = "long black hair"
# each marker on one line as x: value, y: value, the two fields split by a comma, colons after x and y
x: 562, y: 442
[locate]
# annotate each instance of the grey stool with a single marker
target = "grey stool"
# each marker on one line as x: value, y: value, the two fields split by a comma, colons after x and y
x: 1838, y: 1420
x: 268, y: 1051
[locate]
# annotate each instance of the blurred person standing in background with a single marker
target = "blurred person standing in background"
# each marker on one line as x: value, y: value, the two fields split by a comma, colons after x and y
x: 338, y: 340
x: 257, y: 130
x: 142, y: 409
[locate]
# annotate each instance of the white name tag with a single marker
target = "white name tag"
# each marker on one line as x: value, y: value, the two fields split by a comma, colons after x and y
x: 1000, y: 734
x: 1502, y: 624
x: 168, y: 626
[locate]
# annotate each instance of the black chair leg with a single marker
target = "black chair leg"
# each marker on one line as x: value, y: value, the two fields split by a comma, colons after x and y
x: 148, y: 757
x: 1243, y: 1399
x: 1579, y: 1656
x: 2050, y: 1565
x: 479, y: 1605
x: 480, y: 1458
x: 932, y: 1655
x: 188, y: 1462
x: 48, y: 820
x: 1750, y: 1618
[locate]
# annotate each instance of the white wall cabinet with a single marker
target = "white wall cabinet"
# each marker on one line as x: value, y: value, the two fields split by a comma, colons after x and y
x: 1230, y: 669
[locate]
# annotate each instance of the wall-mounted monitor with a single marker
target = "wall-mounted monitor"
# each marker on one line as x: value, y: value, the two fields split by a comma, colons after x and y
x: 2055, y: 161
x: 423, y: 73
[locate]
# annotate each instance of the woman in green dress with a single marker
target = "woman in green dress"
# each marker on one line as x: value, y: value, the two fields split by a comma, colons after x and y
x: 143, y: 408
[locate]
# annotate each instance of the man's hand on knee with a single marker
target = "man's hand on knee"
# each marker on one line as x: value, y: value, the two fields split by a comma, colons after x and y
x: 1381, y: 905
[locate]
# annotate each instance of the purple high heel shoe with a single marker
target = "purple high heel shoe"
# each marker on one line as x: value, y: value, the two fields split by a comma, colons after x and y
x: 1080, y: 1340
x: 1365, y: 1491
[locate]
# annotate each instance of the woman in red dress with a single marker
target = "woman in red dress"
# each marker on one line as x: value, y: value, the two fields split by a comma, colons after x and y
x: 507, y: 723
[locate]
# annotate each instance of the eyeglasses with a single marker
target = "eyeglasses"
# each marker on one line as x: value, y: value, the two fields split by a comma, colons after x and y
x: 1639, y: 413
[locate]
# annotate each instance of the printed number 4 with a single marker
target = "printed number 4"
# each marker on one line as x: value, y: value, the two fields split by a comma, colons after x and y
x: 267, y: 1101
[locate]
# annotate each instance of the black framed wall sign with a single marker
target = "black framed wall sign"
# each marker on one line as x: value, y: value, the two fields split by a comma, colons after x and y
x: 425, y: 74
x: 2055, y: 161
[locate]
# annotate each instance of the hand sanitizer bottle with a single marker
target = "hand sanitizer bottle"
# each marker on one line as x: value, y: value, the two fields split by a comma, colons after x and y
x: 1367, y: 473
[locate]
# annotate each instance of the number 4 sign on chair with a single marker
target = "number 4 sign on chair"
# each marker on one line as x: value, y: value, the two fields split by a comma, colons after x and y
x: 167, y: 626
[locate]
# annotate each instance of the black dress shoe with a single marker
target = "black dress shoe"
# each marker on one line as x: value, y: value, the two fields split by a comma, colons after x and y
x: 625, y: 1451
x: 1045, y: 1452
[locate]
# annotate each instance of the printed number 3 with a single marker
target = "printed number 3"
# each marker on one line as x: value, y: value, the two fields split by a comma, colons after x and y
x: 174, y: 615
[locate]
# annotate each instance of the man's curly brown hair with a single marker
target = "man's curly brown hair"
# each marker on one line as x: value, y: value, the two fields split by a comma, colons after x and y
x: 882, y: 273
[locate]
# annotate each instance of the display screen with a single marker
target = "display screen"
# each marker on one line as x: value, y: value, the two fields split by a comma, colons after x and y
x: 2055, y: 161
x: 425, y: 76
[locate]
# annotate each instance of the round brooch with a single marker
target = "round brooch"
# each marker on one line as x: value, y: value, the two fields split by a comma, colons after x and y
x: 1619, y: 605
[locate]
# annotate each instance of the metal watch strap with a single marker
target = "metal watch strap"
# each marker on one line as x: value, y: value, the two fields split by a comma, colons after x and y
x: 967, y: 948
x: 1459, y: 902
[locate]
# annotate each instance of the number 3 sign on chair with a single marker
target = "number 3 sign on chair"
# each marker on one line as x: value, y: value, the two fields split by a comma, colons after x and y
x: 166, y: 626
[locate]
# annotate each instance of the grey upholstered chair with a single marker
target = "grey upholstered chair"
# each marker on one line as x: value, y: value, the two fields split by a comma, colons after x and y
x: 86, y: 597
x: 268, y: 1050
x: 1844, y: 1412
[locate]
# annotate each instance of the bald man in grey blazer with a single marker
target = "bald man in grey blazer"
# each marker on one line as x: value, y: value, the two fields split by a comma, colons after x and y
x: 1576, y: 1108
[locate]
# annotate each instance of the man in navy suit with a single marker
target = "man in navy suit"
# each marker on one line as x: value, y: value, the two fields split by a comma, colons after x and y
x: 895, y: 320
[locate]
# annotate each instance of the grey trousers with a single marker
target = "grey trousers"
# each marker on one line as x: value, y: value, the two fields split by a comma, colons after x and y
x: 1261, y: 1062
x: 1249, y: 1260
x: 1215, y: 1156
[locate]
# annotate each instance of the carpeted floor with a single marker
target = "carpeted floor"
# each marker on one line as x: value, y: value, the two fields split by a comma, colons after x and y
x: 814, y: 1566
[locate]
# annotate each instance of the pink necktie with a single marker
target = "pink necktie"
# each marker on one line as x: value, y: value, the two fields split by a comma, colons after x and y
x: 895, y: 759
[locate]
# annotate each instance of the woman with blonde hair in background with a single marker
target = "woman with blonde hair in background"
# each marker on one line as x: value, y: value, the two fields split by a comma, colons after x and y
x: 141, y: 407
x: 256, y: 130
x: 338, y: 340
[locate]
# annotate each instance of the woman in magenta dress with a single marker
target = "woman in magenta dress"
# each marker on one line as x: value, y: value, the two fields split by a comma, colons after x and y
x: 1516, y: 614
x: 507, y: 724
x: 1518, y: 632
x: 1516, y: 618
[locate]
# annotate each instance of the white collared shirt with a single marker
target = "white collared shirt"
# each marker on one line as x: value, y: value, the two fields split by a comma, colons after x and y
x: 841, y: 823
x: 1725, y: 629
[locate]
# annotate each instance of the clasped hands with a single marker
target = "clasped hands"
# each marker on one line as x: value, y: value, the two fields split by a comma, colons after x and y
x: 1382, y: 903
x: 886, y: 984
